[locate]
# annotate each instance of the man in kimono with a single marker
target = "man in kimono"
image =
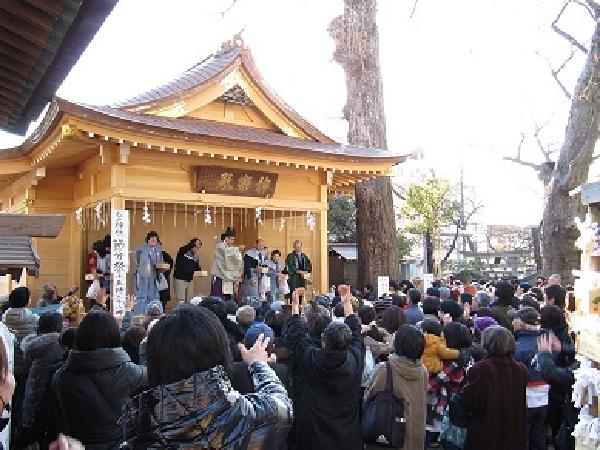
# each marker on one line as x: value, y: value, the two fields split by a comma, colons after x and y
x: 298, y: 266
x: 227, y: 267
x: 254, y: 259
x: 146, y: 276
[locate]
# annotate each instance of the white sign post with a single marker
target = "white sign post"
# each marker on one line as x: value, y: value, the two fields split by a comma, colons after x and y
x: 383, y: 286
x: 427, y: 280
x: 119, y: 259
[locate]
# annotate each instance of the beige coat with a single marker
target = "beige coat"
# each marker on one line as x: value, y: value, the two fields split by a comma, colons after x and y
x: 410, y: 384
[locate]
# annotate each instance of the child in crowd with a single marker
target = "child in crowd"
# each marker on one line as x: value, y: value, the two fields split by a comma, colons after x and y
x: 526, y: 325
x: 435, y: 347
x: 435, y: 352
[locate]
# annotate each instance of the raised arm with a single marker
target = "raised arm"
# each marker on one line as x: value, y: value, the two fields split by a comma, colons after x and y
x: 271, y: 401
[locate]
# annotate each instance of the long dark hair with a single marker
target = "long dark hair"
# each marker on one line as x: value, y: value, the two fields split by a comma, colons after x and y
x: 97, y: 330
x: 392, y: 318
x: 186, y: 341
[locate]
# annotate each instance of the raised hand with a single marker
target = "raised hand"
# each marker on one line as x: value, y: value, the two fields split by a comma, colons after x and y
x: 258, y: 352
x: 130, y: 302
x: 295, y: 302
x: 544, y: 344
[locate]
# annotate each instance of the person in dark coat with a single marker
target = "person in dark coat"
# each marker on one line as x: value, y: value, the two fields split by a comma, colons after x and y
x: 332, y: 375
x: 165, y: 294
x: 44, y: 354
x: 564, y: 378
x: 241, y: 380
x: 186, y: 263
x: 554, y: 321
x: 96, y: 382
x: 234, y: 332
x: 494, y: 395
x: 192, y: 403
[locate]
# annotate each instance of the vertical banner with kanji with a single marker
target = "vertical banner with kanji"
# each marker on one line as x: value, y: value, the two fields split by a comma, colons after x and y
x: 119, y: 259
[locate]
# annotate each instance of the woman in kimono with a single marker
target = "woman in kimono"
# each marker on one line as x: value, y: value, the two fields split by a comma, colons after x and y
x: 147, y: 278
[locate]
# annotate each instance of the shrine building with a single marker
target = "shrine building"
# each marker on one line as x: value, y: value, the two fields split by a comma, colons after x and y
x: 214, y: 148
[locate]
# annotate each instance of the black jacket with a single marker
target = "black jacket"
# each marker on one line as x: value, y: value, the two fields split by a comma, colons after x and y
x: 92, y: 388
x: 204, y: 411
x: 327, y: 416
x: 42, y: 353
x: 185, y: 264
x: 241, y: 379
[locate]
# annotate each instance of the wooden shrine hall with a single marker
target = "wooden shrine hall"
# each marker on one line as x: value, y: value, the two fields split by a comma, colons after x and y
x: 214, y: 148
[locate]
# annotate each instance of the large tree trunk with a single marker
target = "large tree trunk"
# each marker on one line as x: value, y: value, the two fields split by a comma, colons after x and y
x: 558, y: 230
x: 357, y: 50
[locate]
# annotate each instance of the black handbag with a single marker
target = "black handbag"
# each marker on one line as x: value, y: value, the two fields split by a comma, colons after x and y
x: 458, y: 416
x: 383, y: 421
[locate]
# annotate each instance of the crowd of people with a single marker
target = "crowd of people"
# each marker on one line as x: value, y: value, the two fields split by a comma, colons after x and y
x: 456, y: 366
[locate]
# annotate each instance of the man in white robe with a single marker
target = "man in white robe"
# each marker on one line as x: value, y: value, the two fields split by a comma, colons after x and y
x: 227, y: 266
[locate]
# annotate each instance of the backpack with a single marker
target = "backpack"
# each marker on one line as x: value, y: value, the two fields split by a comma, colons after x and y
x: 383, y: 421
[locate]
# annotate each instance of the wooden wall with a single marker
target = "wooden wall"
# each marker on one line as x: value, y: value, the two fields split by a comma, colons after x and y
x: 59, y: 263
x: 231, y: 113
x: 146, y: 170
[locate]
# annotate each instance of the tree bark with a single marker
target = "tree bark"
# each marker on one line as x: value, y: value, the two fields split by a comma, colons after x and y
x: 558, y: 229
x: 429, y: 249
x: 537, y: 254
x: 357, y: 50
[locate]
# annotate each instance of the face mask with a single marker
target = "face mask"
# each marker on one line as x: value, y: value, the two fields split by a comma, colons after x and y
x: 4, y: 420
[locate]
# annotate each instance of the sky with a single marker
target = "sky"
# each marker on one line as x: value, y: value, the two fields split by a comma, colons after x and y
x: 462, y: 79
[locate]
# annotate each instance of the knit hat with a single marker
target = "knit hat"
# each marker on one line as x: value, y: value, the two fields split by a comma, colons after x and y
x: 256, y: 330
x: 481, y: 323
x: 277, y: 305
x: 154, y: 309
x: 245, y: 315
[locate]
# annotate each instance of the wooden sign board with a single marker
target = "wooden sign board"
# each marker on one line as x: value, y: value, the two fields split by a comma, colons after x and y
x: 229, y: 181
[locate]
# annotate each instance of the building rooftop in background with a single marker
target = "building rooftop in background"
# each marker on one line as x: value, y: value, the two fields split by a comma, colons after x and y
x: 40, y: 41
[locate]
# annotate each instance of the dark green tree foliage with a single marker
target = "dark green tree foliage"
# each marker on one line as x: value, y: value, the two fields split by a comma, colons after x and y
x: 342, y: 219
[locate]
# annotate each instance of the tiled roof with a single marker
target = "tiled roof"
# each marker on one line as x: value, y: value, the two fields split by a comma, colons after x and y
x: 202, y: 72
x: 189, y: 128
x: 16, y: 253
x: 211, y: 70
x: 41, y: 41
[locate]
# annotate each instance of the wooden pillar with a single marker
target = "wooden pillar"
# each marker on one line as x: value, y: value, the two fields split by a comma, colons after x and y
x: 322, y: 243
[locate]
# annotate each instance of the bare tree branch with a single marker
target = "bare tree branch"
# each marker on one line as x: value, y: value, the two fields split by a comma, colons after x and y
x: 226, y: 10
x: 591, y: 7
x: 520, y: 145
x: 414, y: 8
x: 452, y: 245
x: 397, y: 193
x: 556, y: 72
x: 563, y: 33
x: 523, y: 163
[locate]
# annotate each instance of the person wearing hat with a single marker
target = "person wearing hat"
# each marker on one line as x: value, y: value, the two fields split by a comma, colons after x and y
x: 527, y: 329
x: 245, y: 317
x: 227, y: 266
x: 241, y: 380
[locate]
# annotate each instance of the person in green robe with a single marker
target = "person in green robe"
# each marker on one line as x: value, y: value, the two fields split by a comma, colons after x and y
x: 297, y: 264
